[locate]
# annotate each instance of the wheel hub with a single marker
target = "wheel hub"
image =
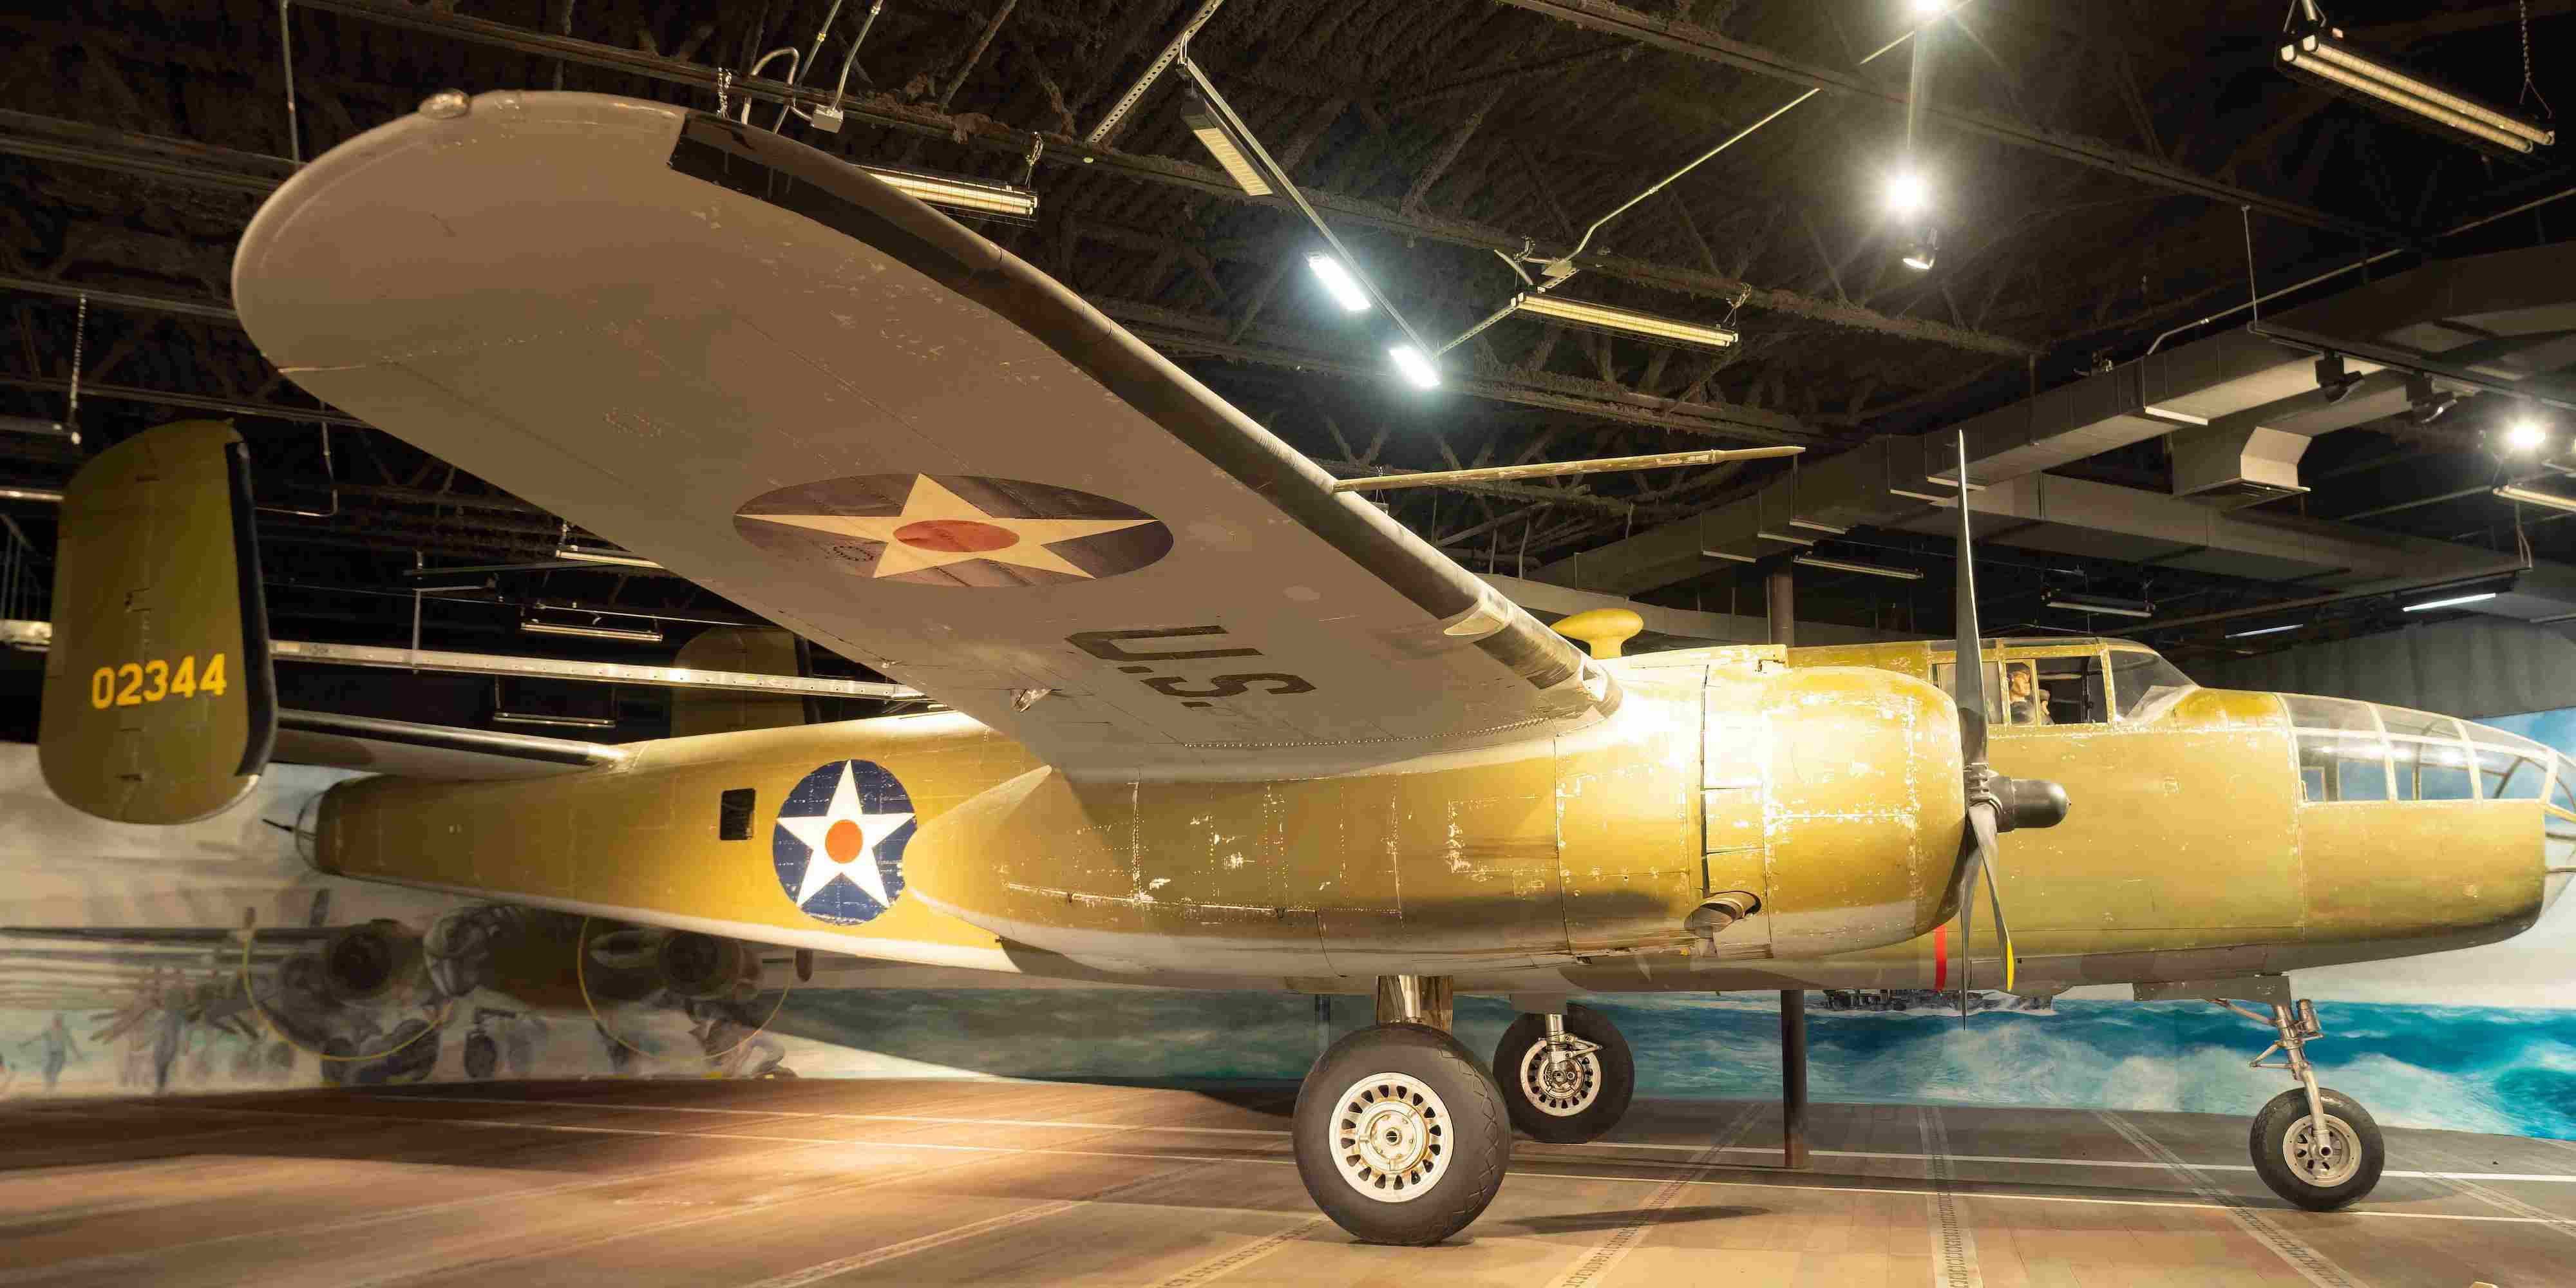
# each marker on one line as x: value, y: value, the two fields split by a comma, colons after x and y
x: 1559, y: 1084
x: 2323, y: 1161
x: 1391, y: 1137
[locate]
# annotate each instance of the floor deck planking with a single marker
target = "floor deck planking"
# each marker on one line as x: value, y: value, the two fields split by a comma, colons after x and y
x: 783, y: 1184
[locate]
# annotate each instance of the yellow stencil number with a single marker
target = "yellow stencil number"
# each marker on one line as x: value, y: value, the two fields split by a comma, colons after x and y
x: 135, y: 684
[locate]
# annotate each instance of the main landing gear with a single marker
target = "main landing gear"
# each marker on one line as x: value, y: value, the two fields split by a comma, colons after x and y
x: 1400, y: 1135
x: 2315, y: 1146
x: 1566, y: 1075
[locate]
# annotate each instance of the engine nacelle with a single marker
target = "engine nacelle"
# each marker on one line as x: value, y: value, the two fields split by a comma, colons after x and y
x: 705, y: 968
x: 373, y: 962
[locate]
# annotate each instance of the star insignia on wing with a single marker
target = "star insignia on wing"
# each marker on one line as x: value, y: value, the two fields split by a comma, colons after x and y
x: 938, y: 527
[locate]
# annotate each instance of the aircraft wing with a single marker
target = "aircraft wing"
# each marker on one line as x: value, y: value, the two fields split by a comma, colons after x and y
x: 788, y: 382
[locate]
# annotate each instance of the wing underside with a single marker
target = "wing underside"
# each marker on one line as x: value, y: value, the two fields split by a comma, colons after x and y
x: 787, y: 381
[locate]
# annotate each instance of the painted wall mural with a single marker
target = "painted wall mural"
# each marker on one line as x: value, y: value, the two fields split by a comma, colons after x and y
x: 122, y: 972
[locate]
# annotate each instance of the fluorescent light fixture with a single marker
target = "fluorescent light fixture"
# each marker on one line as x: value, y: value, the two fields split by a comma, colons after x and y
x: 2525, y: 435
x: 2529, y: 496
x: 1338, y: 280
x: 2264, y: 630
x: 2171, y: 416
x: 1874, y: 570
x: 954, y: 193
x: 1203, y: 122
x: 2071, y: 602
x: 587, y: 554
x: 39, y: 427
x: 2321, y: 58
x: 1721, y: 554
x: 1602, y: 317
x: 1791, y: 538
x: 643, y: 635
x: 1820, y: 527
x: 1907, y: 194
x: 1416, y: 368
x: 557, y: 722
x: 2453, y: 602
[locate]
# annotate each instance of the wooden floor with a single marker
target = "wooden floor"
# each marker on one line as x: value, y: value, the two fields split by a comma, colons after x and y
x: 729, y: 1184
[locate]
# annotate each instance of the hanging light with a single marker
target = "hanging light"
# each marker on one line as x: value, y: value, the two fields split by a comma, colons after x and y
x: 1230, y: 156
x: 1417, y: 369
x: 1602, y: 317
x: 1338, y: 281
x: 2319, y: 57
x: 952, y: 192
x: 1907, y: 194
x: 2525, y: 434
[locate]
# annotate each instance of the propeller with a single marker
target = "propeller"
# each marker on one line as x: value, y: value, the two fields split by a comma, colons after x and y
x: 1996, y: 803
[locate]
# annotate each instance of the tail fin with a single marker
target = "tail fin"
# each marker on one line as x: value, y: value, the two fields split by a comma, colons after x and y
x: 159, y: 706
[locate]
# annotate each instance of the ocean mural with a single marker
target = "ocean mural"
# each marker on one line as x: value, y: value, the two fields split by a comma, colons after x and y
x: 122, y: 973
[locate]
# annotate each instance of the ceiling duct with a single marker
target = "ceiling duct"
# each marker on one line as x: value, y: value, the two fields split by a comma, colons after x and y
x: 2232, y: 468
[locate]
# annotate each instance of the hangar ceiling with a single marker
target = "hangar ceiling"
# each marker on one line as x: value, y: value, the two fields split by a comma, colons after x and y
x: 2104, y: 176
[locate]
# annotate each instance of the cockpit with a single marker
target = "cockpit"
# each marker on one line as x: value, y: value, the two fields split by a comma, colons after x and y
x: 2071, y: 682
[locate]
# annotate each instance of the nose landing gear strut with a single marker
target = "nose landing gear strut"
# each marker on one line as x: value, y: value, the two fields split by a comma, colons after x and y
x: 2315, y: 1146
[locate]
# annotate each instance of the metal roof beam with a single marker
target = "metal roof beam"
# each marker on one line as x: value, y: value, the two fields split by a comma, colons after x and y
x: 1682, y: 38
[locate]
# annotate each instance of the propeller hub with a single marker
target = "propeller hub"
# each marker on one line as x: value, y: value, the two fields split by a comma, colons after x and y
x: 2027, y: 802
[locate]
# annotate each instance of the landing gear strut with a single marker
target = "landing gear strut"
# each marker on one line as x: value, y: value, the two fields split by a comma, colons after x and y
x: 1566, y: 1076
x: 1400, y: 1135
x: 2315, y: 1146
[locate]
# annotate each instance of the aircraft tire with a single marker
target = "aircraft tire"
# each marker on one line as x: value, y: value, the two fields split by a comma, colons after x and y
x: 1436, y: 1135
x: 1590, y: 1103
x: 2274, y: 1146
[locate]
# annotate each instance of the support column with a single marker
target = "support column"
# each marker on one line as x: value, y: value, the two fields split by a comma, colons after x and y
x: 1780, y: 600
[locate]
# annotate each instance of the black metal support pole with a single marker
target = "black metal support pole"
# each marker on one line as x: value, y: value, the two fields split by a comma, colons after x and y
x: 1780, y: 597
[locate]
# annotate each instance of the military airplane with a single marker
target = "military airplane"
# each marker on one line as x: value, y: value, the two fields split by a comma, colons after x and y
x: 1213, y: 723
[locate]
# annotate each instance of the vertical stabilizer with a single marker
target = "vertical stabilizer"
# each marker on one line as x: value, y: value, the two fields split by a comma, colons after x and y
x: 159, y: 706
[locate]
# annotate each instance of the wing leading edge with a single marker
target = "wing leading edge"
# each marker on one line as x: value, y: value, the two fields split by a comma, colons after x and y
x: 789, y: 382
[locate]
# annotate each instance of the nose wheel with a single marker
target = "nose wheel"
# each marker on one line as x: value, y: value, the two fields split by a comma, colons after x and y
x: 2315, y: 1146
x: 1565, y: 1078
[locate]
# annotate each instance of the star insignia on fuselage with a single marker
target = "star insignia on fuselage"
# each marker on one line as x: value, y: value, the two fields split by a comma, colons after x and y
x: 844, y: 864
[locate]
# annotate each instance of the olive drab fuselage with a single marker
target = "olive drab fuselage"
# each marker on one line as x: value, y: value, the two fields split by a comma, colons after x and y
x: 1822, y: 783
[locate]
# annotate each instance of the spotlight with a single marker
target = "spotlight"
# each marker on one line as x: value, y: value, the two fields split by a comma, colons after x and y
x: 1337, y: 279
x: 1907, y: 194
x: 2525, y: 435
x: 1921, y: 252
x: 1416, y: 368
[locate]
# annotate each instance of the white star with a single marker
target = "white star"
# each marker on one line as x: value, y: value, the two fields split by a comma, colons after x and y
x: 945, y: 528
x: 815, y: 830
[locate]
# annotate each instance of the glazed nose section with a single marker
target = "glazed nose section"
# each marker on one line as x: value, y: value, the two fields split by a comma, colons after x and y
x: 2558, y: 836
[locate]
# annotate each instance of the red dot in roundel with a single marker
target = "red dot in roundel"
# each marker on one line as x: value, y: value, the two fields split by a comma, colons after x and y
x: 956, y: 536
x: 844, y: 842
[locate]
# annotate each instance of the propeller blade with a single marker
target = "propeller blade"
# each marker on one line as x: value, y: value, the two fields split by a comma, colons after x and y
x: 1984, y: 821
x: 1968, y: 661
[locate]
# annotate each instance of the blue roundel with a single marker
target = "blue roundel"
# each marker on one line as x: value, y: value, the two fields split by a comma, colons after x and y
x: 839, y: 841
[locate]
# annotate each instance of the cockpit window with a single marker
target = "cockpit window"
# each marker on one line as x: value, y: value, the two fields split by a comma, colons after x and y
x: 2139, y: 677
